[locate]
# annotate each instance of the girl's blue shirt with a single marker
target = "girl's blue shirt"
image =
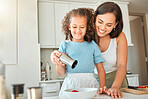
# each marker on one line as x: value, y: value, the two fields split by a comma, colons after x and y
x: 87, y: 54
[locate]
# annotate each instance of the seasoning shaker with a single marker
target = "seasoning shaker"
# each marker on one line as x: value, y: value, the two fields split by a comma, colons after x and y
x: 17, y: 91
x: 68, y: 60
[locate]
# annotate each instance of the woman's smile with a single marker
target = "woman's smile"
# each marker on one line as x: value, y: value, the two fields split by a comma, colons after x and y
x: 101, y: 31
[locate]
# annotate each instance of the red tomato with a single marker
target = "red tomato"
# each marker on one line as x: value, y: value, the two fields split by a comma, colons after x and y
x: 75, y: 91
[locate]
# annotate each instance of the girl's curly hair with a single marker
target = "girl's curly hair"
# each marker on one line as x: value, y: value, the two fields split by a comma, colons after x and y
x: 84, y: 12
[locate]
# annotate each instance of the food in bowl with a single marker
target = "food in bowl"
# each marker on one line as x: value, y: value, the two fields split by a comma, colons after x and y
x: 83, y: 93
x: 75, y: 91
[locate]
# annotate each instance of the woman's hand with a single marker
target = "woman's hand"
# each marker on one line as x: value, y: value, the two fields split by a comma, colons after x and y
x: 55, y: 58
x: 103, y: 90
x: 114, y: 92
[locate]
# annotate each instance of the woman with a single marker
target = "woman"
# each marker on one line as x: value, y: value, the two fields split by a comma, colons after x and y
x: 113, y: 45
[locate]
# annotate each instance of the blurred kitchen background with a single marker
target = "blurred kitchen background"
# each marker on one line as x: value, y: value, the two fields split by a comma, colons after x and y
x: 31, y: 29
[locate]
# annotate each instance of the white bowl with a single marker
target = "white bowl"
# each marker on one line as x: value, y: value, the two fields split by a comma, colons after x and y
x: 83, y: 93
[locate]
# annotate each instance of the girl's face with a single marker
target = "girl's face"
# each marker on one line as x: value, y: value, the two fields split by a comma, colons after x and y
x: 105, y: 24
x: 78, y: 28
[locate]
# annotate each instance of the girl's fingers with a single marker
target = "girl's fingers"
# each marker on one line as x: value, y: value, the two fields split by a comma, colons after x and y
x: 109, y: 92
x: 58, y: 53
x: 55, y: 57
x: 100, y: 90
x: 105, y: 89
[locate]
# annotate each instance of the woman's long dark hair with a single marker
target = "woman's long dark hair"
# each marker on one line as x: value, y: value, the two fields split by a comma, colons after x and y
x: 110, y: 7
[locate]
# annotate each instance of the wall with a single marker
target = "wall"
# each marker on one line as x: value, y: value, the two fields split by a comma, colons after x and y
x: 136, y: 53
x: 45, y: 58
x: 27, y: 69
x: 146, y: 34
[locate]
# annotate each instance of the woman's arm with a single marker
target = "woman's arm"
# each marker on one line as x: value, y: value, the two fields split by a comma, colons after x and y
x: 60, y: 67
x: 122, y: 53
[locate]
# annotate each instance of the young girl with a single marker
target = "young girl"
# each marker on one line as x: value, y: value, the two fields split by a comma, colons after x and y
x: 78, y: 27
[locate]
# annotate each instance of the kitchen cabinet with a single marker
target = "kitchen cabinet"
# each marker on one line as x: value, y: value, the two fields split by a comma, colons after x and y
x: 82, y: 5
x: 50, y: 27
x: 133, y: 79
x: 46, y: 24
x: 50, y: 88
x: 60, y: 11
x: 126, y: 22
x: 51, y: 14
x: 8, y: 31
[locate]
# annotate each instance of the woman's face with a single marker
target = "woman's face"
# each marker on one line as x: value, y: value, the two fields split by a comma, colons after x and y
x: 105, y: 24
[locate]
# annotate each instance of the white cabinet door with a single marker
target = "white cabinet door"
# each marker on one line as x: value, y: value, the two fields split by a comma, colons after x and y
x: 46, y: 24
x: 126, y: 24
x: 50, y: 88
x: 60, y: 11
x: 82, y: 5
x: 8, y: 31
x: 50, y: 21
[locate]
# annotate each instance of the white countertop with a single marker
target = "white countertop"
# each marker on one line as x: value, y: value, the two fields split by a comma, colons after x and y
x: 125, y: 96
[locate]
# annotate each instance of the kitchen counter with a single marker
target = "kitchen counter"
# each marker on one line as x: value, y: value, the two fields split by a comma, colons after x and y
x: 50, y: 81
x: 98, y: 96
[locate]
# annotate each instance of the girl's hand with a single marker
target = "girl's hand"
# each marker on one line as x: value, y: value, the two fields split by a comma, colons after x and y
x: 55, y: 58
x: 114, y: 92
x: 103, y: 90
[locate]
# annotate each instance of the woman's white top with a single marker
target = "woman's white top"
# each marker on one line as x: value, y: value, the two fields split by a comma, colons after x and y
x: 110, y: 57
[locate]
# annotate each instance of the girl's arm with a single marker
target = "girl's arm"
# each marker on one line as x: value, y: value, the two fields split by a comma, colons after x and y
x: 60, y: 67
x: 122, y: 53
x: 102, y: 78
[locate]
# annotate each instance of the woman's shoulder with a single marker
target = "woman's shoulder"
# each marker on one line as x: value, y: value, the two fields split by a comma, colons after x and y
x: 121, y: 39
